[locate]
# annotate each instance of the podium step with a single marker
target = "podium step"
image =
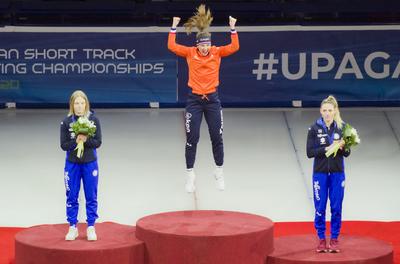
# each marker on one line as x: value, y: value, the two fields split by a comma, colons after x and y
x: 209, y: 237
x: 45, y: 244
x: 300, y: 249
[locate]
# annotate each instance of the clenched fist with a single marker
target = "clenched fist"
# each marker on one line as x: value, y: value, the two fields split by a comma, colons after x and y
x: 175, y: 21
x: 232, y: 22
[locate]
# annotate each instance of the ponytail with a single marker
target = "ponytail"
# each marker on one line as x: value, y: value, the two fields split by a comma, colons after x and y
x: 201, y: 20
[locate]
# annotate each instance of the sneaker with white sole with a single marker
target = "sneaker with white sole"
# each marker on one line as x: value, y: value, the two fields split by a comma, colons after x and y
x: 91, y: 233
x: 190, y: 179
x: 219, y: 177
x: 72, y: 233
x: 322, y: 248
x: 334, y: 246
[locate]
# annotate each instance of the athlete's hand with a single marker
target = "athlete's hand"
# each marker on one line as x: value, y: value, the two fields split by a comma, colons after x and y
x: 81, y: 137
x: 341, y: 143
x: 175, y: 21
x: 330, y: 146
x: 232, y: 22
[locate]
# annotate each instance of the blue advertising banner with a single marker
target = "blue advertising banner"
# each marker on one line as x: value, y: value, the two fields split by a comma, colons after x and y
x: 275, y: 68
x: 113, y: 68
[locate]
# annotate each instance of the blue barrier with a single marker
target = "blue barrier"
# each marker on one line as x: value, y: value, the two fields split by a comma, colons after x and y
x: 44, y: 68
x: 360, y: 66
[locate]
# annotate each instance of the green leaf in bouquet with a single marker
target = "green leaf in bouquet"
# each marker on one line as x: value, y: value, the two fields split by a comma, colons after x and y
x: 85, y: 127
x: 83, y: 130
x: 347, y: 131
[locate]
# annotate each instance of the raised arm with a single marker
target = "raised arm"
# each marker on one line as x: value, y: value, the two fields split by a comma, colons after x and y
x: 179, y: 50
x: 234, y: 45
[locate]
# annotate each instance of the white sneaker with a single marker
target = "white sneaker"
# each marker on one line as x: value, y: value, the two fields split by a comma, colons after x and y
x: 190, y: 178
x: 72, y: 233
x: 219, y: 176
x: 91, y: 233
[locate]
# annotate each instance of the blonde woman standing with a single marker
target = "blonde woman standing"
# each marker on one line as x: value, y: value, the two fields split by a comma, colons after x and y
x: 83, y: 169
x: 328, y: 172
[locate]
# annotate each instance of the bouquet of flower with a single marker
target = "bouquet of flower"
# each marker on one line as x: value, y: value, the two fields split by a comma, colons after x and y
x: 85, y: 127
x: 350, y: 137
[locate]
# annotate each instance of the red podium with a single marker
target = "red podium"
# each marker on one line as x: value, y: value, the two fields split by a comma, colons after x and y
x: 45, y: 244
x: 206, y: 237
x: 300, y: 249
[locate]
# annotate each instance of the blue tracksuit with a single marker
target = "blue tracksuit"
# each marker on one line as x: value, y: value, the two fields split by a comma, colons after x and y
x: 210, y: 105
x: 84, y: 169
x: 328, y: 176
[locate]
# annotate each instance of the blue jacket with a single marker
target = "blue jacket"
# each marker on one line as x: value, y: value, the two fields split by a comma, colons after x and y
x: 68, y: 140
x: 319, y: 137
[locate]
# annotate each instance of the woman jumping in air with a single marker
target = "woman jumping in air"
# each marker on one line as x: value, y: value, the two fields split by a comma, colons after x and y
x: 204, y: 62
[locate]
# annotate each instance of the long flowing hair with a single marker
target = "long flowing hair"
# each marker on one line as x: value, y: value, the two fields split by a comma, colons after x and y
x: 201, y: 20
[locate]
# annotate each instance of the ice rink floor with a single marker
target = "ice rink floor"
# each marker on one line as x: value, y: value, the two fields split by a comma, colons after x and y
x: 142, y: 167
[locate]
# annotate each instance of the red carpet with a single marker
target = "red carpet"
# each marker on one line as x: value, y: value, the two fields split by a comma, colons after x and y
x: 7, y: 247
x: 388, y: 231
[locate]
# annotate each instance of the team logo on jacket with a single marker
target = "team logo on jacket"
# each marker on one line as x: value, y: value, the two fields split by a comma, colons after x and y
x: 320, y: 131
x: 336, y: 136
x: 323, y: 141
x: 71, y: 131
x: 95, y: 173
